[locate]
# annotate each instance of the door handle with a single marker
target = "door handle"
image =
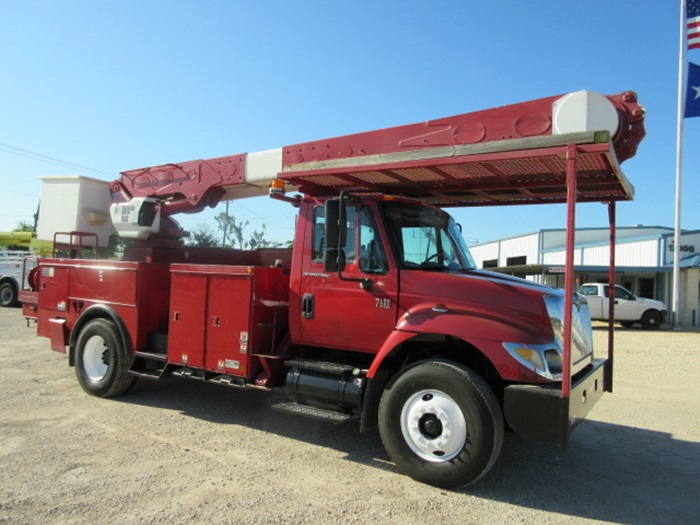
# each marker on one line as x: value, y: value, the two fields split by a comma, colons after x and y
x: 307, y: 306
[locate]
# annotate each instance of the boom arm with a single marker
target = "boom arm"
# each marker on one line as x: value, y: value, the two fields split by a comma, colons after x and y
x: 146, y: 198
x: 186, y: 187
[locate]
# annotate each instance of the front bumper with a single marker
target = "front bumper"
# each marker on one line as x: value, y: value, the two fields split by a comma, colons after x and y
x: 541, y: 413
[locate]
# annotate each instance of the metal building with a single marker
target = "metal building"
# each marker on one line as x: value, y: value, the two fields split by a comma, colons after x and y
x: 643, y: 261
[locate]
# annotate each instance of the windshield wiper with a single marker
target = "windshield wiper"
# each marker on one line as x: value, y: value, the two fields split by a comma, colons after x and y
x: 433, y: 267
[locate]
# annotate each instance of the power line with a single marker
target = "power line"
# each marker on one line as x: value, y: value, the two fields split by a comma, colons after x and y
x: 5, y: 190
x: 33, y: 155
x: 18, y: 214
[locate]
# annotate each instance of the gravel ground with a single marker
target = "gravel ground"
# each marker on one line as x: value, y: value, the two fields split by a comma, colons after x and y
x: 179, y: 451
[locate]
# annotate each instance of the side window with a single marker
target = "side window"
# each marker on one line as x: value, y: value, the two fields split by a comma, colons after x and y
x: 351, y: 239
x: 589, y: 290
x: 449, y: 257
x: 319, y: 235
x: 621, y: 293
x: 372, y: 255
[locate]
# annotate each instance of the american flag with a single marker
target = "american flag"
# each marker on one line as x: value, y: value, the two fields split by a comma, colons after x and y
x: 692, y: 20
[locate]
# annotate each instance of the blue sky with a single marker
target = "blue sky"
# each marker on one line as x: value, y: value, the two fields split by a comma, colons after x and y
x: 115, y: 85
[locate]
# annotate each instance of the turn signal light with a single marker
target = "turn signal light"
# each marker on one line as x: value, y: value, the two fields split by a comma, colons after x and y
x: 531, y: 356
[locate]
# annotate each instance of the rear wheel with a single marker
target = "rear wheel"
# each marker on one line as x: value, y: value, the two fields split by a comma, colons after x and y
x: 101, y: 359
x: 441, y: 424
x: 8, y: 294
x: 651, y: 320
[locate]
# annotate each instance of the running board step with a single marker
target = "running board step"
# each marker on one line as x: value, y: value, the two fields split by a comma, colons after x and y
x: 148, y: 365
x: 323, y: 367
x: 311, y: 412
x: 147, y: 374
x: 193, y: 373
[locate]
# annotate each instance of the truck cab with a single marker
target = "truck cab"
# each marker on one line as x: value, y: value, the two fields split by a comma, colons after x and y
x: 402, y: 276
x: 629, y: 309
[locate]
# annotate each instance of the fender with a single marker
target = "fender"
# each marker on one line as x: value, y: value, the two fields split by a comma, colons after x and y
x: 98, y: 311
x: 9, y: 279
x: 485, y: 330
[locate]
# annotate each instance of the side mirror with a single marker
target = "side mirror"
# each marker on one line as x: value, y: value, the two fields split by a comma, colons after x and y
x: 336, y: 226
x: 333, y: 260
x: 336, y: 234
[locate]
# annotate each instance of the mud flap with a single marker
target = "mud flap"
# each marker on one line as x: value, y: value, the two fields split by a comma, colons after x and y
x: 57, y: 334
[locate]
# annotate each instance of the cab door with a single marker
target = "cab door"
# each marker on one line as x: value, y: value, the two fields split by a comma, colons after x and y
x: 626, y: 305
x: 342, y: 312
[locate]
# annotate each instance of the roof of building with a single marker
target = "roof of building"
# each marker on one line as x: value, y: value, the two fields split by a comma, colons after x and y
x: 539, y: 269
x: 619, y: 239
x: 692, y: 261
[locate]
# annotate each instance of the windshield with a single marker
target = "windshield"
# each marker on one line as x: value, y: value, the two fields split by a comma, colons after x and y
x: 426, y: 238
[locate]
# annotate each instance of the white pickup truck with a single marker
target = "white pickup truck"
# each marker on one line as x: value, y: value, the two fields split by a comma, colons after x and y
x: 11, y: 263
x: 629, y: 309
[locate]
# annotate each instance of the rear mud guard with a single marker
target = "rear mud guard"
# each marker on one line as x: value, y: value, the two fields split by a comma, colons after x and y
x: 57, y: 335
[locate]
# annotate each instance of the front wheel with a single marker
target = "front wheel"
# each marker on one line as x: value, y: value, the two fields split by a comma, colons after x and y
x: 441, y: 424
x: 651, y: 320
x: 101, y: 359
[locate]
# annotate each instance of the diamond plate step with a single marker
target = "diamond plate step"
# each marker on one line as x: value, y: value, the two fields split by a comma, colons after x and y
x: 311, y: 412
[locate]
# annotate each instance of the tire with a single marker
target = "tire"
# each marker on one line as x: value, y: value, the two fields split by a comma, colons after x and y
x: 101, y: 360
x: 627, y: 324
x: 651, y: 320
x: 441, y: 424
x: 8, y: 294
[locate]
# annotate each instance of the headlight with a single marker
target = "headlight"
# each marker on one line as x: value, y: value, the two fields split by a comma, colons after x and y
x: 546, y: 360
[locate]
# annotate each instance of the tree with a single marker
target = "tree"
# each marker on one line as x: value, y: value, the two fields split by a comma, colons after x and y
x: 115, y: 247
x: 20, y: 238
x: 24, y: 226
x: 234, y: 233
x: 232, y: 230
x: 258, y: 240
x: 202, y: 236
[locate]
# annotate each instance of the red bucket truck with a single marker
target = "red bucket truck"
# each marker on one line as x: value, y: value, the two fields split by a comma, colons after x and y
x: 378, y: 312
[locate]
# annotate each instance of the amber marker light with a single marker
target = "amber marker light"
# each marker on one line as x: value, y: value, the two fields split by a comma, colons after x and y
x: 277, y: 186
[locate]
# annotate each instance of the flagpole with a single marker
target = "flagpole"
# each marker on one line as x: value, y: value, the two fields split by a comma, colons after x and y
x: 679, y: 171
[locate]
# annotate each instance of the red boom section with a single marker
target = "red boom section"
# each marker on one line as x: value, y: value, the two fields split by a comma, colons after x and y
x: 185, y: 187
x: 500, y: 156
x: 526, y: 119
